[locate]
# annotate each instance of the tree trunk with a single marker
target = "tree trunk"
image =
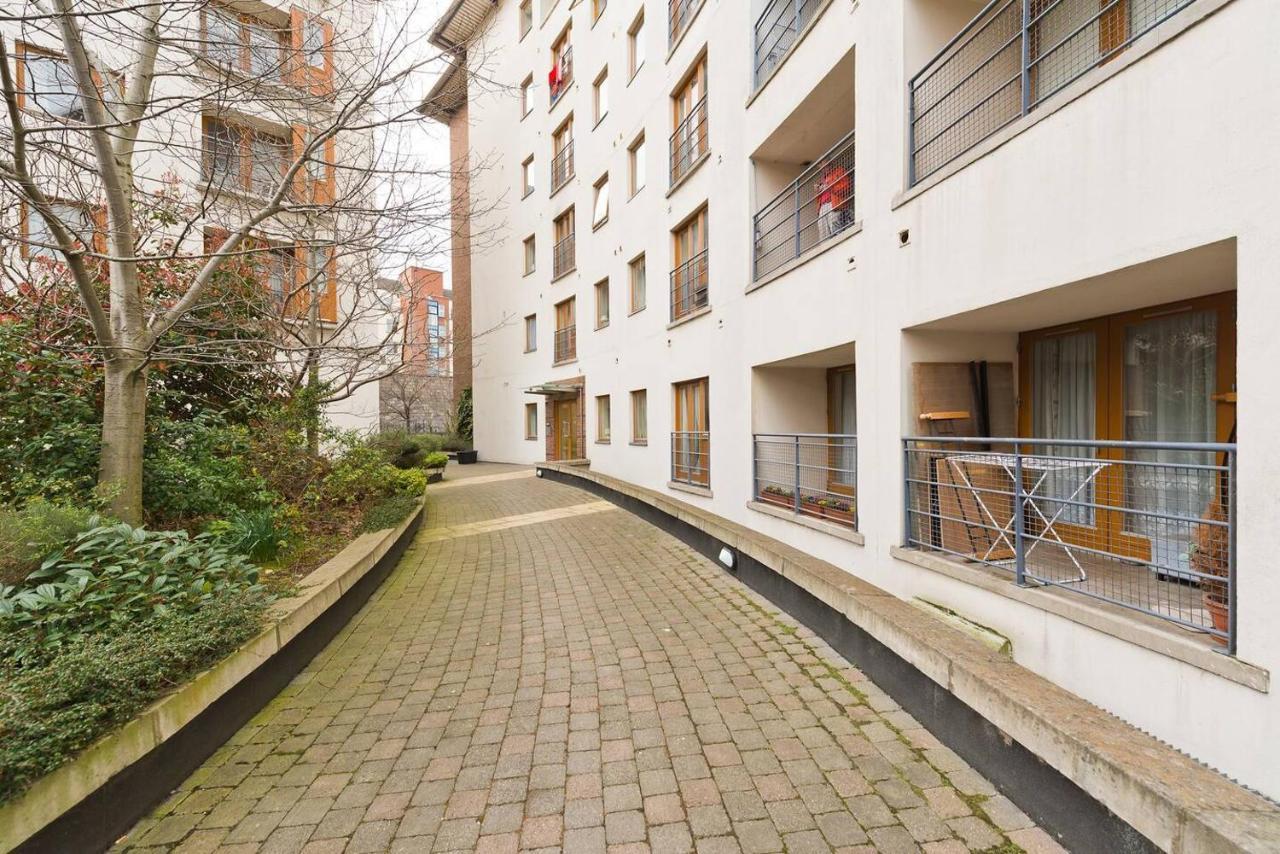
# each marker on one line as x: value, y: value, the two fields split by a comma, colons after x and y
x: 124, y: 410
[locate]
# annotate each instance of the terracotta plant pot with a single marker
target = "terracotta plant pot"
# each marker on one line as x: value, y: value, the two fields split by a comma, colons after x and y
x: 1218, y: 610
x: 843, y: 517
x: 780, y: 500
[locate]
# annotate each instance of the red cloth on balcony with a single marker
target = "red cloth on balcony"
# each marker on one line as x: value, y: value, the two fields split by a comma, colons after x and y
x: 554, y: 79
x: 833, y: 187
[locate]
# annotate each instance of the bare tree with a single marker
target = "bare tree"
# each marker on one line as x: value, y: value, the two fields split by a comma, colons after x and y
x: 175, y: 140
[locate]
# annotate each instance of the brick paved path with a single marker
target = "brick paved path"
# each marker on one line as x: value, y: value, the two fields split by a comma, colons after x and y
x: 544, y: 671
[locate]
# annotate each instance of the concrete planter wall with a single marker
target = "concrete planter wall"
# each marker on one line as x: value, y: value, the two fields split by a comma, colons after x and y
x: 86, y: 804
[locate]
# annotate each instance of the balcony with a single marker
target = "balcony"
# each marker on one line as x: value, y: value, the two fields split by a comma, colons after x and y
x: 1146, y: 526
x: 808, y: 474
x: 691, y: 458
x: 689, y: 286
x: 563, y: 257
x: 1007, y: 61
x: 561, y: 77
x: 680, y: 14
x: 690, y: 142
x: 562, y: 167
x: 776, y: 32
x: 566, y: 345
x: 814, y: 208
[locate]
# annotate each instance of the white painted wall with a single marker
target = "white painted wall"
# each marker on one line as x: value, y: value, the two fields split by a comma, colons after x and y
x: 1174, y: 152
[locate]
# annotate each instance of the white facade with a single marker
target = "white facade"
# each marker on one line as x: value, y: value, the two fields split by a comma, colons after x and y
x: 1149, y: 180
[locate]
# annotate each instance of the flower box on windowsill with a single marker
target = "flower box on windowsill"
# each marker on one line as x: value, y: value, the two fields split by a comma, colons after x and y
x: 780, y: 497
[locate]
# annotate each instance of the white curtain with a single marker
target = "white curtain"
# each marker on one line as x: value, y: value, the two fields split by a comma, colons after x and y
x: 1064, y: 380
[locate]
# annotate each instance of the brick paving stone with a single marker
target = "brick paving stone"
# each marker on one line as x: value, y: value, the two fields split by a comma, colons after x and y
x: 586, y: 683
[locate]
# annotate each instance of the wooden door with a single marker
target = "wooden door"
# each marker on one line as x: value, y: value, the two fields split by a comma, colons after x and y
x: 691, y: 451
x: 565, y: 419
x: 842, y: 420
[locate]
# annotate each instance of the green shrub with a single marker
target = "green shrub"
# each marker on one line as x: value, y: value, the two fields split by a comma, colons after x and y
x: 456, y: 443
x: 113, y: 575
x: 260, y: 535
x: 435, y: 460
x: 52, y: 711
x: 197, y: 468
x: 30, y: 534
x: 429, y: 442
x: 388, y: 512
x: 406, y: 482
x: 463, y: 418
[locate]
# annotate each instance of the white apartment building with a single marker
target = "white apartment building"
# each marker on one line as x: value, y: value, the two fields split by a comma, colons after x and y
x: 1057, y: 224
x: 240, y: 87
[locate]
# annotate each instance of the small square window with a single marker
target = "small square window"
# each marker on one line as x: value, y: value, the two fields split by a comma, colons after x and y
x: 531, y: 421
x: 530, y: 254
x: 531, y: 333
x: 602, y: 304
x: 603, y: 427
x: 637, y: 284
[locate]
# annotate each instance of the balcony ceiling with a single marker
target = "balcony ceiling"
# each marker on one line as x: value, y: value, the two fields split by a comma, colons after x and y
x: 460, y: 23
x: 821, y: 120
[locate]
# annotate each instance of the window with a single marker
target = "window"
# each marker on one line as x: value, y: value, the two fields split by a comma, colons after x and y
x: 531, y: 333
x: 566, y: 332
x: 46, y: 82
x: 564, y: 257
x: 39, y: 237
x: 636, y: 271
x: 527, y: 174
x: 318, y: 272
x: 635, y: 156
x: 434, y: 307
x: 281, y: 274
x: 530, y: 254
x: 597, y: 9
x: 526, y: 17
x: 603, y: 427
x: 635, y: 44
x: 561, y: 74
x: 526, y: 102
x: 601, y: 95
x: 241, y: 158
x: 690, y: 276
x: 691, y: 439
x: 562, y: 150
x: 600, y: 206
x: 602, y: 304
x: 531, y: 421
x: 640, y: 417
x: 689, y: 117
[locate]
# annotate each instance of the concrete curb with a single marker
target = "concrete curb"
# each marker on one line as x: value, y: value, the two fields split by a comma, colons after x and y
x: 44, y: 818
x: 1175, y: 803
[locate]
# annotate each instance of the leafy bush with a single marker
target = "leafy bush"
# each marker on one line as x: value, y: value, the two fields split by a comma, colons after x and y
x: 388, y: 513
x: 197, y: 469
x: 406, y: 482
x: 361, y: 475
x: 435, y: 460
x: 456, y: 443
x: 408, y: 456
x: 429, y: 442
x: 52, y: 711
x: 30, y: 534
x: 260, y: 535
x: 463, y: 417
x: 113, y: 575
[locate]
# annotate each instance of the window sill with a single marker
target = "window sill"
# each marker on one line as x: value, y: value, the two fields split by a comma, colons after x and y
x: 527, y: 193
x: 600, y: 326
x: 810, y: 254
x: 599, y: 120
x: 596, y: 226
x: 573, y: 84
x: 693, y: 315
x: 528, y: 273
x: 693, y: 167
x: 635, y: 73
x: 635, y: 311
x: 558, y: 187
x: 703, y: 491
x: 534, y: 350
x: 639, y: 443
x: 573, y: 360
x: 531, y: 438
x: 603, y: 442
x: 846, y: 534
x: 568, y: 272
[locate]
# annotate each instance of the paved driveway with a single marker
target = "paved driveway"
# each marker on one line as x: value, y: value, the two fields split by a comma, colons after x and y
x: 546, y: 671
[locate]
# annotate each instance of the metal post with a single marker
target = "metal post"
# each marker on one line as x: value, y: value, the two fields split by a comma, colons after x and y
x: 795, y: 499
x: 796, y: 219
x: 911, y: 133
x: 755, y: 468
x: 1019, y: 522
x: 906, y: 494
x: 1026, y: 56
x: 1231, y: 552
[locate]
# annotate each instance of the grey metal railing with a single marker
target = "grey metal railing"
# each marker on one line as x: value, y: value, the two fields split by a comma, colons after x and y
x: 566, y: 346
x: 691, y: 457
x: 813, y: 208
x: 810, y: 474
x: 566, y: 75
x: 690, y: 141
x: 689, y: 285
x: 680, y: 13
x: 776, y: 31
x: 562, y: 166
x: 1007, y: 61
x: 563, y: 257
x: 1148, y: 526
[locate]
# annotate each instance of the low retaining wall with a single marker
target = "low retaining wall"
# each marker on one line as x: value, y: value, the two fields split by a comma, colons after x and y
x: 1096, y: 782
x: 87, y: 804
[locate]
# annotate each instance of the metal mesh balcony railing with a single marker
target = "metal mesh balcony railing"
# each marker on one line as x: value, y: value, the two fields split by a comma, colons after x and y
x: 691, y: 458
x: 1148, y: 526
x: 810, y: 474
x: 562, y: 166
x: 689, y: 285
x: 776, y: 32
x: 1008, y: 60
x: 680, y: 13
x: 562, y: 76
x: 813, y: 208
x: 563, y: 257
x: 566, y: 346
x: 690, y: 141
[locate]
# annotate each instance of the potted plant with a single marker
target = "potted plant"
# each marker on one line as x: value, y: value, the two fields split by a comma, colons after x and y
x: 778, y: 495
x: 838, y: 510
x: 434, y: 463
x: 811, y: 504
x: 1208, y: 555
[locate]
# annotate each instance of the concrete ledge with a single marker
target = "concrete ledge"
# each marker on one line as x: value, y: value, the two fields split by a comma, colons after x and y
x: 813, y: 21
x: 690, y: 317
x: 830, y: 528
x: 700, y: 491
x: 1099, y: 783
x: 86, y: 804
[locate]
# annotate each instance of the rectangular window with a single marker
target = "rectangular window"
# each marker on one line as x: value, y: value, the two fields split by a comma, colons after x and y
x: 527, y: 172
x: 281, y: 273
x: 689, y: 141
x: 640, y: 416
x: 562, y: 168
x: 40, y: 240
x: 566, y: 332
x: 312, y: 43
x: 637, y: 161
x: 561, y: 74
x: 240, y: 158
x: 530, y: 254
x: 603, y: 427
x: 600, y: 206
x: 526, y: 17
x: 597, y: 8
x: 433, y: 307
x: 269, y: 155
x: 46, y: 82
x: 531, y: 421
x: 601, y: 95
x: 637, y: 284
x: 602, y: 304
x: 564, y: 258
x: 531, y: 333
x: 635, y: 44
x: 222, y: 154
x: 526, y: 102
x: 691, y: 438
x: 689, y: 278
